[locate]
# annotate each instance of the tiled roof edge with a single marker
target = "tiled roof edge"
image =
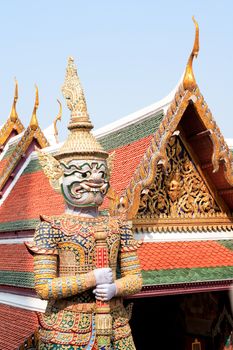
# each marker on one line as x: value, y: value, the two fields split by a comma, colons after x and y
x: 131, y: 133
x: 152, y: 277
x: 19, y: 225
x: 17, y: 279
x: 187, y: 275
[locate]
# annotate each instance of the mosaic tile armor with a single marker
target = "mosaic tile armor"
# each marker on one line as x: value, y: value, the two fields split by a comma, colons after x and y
x: 64, y: 249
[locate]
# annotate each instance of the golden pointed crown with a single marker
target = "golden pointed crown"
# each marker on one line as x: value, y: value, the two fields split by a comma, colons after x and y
x: 80, y: 142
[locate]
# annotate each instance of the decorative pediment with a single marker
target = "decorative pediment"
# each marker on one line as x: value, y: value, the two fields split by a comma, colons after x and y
x: 180, y: 192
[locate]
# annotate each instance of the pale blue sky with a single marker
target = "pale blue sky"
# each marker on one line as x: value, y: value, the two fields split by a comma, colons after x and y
x: 129, y: 54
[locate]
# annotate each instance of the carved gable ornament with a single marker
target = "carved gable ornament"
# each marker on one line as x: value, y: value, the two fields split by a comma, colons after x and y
x: 181, y: 192
x: 179, y: 198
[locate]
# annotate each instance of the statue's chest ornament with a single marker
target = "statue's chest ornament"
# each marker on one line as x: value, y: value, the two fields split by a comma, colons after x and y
x: 84, y: 227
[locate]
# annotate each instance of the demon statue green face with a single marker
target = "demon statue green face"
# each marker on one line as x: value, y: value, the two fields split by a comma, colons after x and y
x: 85, y: 182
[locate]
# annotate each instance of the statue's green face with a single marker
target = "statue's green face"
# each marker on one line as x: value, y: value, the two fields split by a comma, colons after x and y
x: 85, y: 182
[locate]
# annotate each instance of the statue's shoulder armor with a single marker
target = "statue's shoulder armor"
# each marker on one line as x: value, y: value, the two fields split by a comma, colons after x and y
x: 45, y: 238
x: 128, y: 243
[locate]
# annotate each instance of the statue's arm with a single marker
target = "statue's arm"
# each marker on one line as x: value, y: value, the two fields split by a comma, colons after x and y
x: 48, y: 284
x: 131, y: 278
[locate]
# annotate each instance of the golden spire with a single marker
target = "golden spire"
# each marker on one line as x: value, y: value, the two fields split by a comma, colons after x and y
x: 189, y: 81
x: 34, y: 122
x: 81, y: 143
x: 75, y: 99
x: 58, y: 117
x: 14, y: 115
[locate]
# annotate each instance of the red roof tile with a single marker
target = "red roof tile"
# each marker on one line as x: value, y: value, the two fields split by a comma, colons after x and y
x: 15, y: 257
x: 175, y: 255
x: 31, y: 196
x: 126, y: 160
x: 16, y: 325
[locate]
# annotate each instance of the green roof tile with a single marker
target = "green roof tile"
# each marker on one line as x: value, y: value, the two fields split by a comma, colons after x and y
x: 33, y: 166
x: 131, y: 132
x: 204, y: 274
x: 17, y: 279
x: 19, y: 225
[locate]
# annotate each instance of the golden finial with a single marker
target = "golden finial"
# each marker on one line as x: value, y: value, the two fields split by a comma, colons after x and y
x: 189, y: 81
x: 75, y: 99
x: 58, y: 117
x: 34, y: 122
x: 14, y: 115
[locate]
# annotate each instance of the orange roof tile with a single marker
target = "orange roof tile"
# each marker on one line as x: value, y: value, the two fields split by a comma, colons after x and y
x: 175, y: 255
x: 15, y: 257
x: 126, y: 160
x: 16, y: 325
x: 31, y: 196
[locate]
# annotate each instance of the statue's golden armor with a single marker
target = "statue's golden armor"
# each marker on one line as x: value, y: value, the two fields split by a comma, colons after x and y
x: 64, y: 249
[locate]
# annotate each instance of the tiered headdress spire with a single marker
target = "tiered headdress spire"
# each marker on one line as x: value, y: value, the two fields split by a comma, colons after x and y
x: 80, y: 142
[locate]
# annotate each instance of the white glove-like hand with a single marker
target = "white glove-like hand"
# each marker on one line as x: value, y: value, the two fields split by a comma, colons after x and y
x: 105, y: 292
x: 103, y: 275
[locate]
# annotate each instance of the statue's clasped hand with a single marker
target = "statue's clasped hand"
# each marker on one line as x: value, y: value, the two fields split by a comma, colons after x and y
x: 103, y: 275
x: 105, y: 292
x: 105, y: 288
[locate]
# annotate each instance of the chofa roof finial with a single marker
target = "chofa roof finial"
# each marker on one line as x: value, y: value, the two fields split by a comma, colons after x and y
x: 189, y: 81
x: 14, y: 115
x: 34, y: 122
x: 58, y: 117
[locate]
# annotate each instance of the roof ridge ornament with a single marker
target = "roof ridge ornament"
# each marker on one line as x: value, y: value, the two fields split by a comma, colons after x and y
x: 58, y: 117
x: 13, y: 114
x: 189, y: 82
x: 34, y: 121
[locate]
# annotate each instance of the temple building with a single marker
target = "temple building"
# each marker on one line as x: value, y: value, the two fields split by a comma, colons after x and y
x: 173, y: 173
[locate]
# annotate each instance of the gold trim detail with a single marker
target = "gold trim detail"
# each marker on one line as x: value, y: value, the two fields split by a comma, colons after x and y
x: 189, y: 81
x: 199, y: 223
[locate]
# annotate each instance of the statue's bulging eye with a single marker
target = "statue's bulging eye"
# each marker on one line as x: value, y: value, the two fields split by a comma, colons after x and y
x: 103, y: 175
x: 86, y: 174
